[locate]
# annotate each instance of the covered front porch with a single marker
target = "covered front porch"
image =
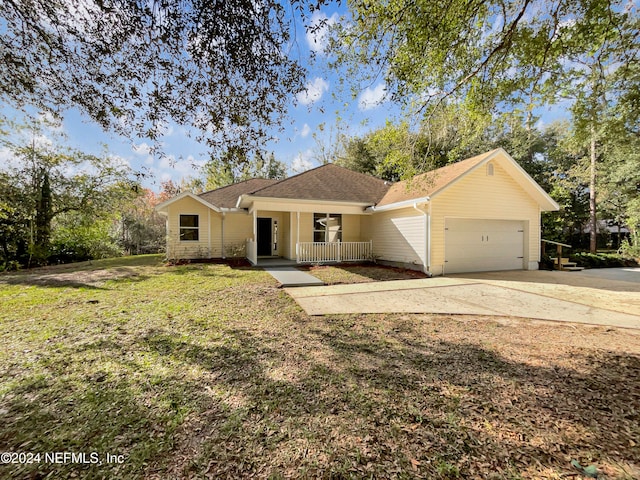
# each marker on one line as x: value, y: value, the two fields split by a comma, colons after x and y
x: 315, y: 252
x: 306, y: 238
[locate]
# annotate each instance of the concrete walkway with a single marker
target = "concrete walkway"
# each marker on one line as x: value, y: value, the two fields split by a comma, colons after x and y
x: 292, y: 277
x: 527, y: 295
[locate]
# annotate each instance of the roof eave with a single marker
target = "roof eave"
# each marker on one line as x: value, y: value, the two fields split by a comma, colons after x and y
x: 244, y: 201
x: 397, y: 205
x: 160, y: 208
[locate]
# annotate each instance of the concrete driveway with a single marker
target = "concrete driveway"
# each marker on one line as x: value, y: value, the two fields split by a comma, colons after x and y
x: 601, y: 297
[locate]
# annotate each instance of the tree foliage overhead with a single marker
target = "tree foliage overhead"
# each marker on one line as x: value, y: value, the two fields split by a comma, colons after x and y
x: 485, y: 51
x: 220, y: 66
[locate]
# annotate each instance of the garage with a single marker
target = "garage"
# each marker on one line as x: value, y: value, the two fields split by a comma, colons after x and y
x: 482, y: 245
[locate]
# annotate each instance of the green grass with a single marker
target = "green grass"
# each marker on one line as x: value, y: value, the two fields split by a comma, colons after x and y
x: 201, y: 371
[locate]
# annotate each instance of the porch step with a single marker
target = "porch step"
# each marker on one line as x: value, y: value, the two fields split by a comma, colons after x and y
x: 565, y: 264
x: 292, y: 277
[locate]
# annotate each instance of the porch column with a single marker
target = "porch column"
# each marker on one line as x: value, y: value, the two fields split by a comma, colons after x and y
x: 255, y: 226
x: 297, y: 235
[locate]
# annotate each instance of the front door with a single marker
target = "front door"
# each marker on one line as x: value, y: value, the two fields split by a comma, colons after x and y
x: 264, y: 237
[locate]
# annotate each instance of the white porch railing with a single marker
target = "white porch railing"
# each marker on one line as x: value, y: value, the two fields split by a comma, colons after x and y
x: 323, y: 252
x: 252, y: 252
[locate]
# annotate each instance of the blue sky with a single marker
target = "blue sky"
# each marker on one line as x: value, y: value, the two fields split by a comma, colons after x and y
x: 315, y: 111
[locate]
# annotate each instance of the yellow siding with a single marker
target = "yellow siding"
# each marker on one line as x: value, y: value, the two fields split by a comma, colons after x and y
x: 177, y: 249
x: 238, y: 227
x: 293, y: 234
x: 351, y: 228
x: 306, y: 227
x: 285, y: 235
x: 398, y: 236
x: 215, y: 228
x: 482, y: 196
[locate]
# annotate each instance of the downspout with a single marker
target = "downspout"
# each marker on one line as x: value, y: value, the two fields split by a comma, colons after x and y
x: 168, y: 236
x: 209, y: 233
x: 429, y: 240
x: 427, y: 248
x: 224, y: 215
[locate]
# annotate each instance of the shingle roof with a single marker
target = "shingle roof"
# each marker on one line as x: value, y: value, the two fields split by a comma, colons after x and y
x: 226, y: 197
x: 329, y: 183
x: 428, y: 183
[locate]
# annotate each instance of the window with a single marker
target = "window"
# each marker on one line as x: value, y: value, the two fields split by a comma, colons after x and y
x: 327, y: 227
x: 189, y: 230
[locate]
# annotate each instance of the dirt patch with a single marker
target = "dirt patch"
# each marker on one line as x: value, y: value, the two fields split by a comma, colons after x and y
x: 80, y: 278
x: 348, y: 273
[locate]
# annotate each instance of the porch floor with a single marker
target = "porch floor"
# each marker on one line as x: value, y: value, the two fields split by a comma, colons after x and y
x: 275, y: 262
x: 292, y: 277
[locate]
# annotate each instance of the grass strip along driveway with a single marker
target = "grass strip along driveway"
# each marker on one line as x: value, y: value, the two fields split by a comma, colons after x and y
x: 204, y: 371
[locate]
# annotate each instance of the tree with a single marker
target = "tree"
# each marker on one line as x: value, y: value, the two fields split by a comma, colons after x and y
x: 485, y: 52
x: 14, y: 225
x: 234, y: 166
x: 135, y: 65
x: 45, y: 182
x: 168, y: 190
x: 140, y: 228
x: 497, y: 54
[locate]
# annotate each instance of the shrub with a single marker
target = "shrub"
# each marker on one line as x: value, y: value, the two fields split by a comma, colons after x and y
x: 602, y: 260
x: 627, y: 249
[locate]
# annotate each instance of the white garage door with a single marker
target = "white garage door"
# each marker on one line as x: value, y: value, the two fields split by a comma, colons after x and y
x: 483, y: 245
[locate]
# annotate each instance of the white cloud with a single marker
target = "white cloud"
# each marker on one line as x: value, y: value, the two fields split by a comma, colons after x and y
x: 318, y: 31
x: 306, y: 130
x: 51, y: 123
x: 313, y: 91
x: 142, y: 149
x: 7, y: 158
x: 302, y: 162
x: 183, y: 167
x: 42, y: 141
x: 120, y: 161
x: 372, y: 97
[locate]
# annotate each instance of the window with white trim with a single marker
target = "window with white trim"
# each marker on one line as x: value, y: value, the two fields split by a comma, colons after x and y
x: 189, y: 228
x: 327, y: 227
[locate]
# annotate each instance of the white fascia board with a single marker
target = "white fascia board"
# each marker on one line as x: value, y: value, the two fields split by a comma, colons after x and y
x: 160, y: 207
x: 233, y: 210
x: 244, y: 199
x: 403, y: 204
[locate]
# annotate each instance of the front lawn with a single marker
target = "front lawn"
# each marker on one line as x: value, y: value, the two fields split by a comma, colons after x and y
x: 204, y: 371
